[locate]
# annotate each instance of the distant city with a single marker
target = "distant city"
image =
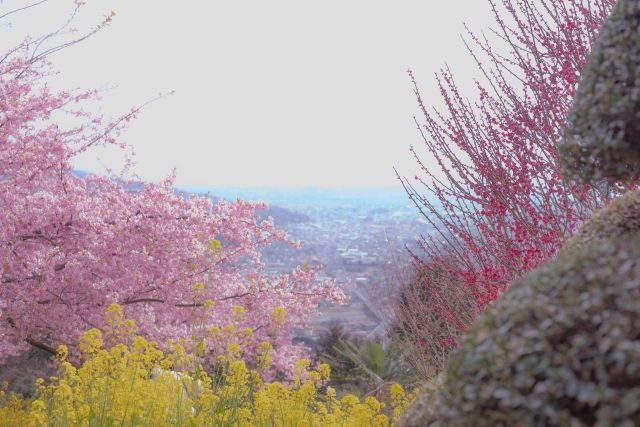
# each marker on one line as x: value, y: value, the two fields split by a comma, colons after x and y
x: 355, y: 236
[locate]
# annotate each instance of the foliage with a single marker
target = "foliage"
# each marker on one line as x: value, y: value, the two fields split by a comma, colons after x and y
x: 71, y: 246
x: 135, y: 383
x: 618, y: 218
x: 378, y: 364
x: 343, y: 369
x: 560, y: 348
x: 496, y: 200
x: 364, y: 366
x: 603, y: 136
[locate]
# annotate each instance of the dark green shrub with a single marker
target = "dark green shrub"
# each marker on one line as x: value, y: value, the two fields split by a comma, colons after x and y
x: 620, y: 217
x: 602, y: 139
x: 561, y: 348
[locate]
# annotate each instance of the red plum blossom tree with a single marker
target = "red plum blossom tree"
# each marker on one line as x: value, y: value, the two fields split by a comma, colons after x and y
x: 496, y: 201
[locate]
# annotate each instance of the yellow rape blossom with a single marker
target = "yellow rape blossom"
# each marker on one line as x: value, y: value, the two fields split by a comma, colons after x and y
x: 215, y: 246
x: 135, y: 383
x: 324, y: 370
x: 237, y: 313
x: 278, y: 316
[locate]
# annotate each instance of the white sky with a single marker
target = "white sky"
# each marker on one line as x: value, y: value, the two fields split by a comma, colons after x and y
x: 267, y: 93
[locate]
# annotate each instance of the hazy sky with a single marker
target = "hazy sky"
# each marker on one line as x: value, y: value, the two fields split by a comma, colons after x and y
x: 267, y: 93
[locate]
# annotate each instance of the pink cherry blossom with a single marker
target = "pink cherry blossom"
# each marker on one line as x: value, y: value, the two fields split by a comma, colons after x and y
x: 71, y: 246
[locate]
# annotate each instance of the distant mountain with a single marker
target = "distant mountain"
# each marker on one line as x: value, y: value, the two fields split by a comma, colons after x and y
x: 132, y: 186
x: 80, y: 173
x: 379, y: 211
x: 283, y: 216
x: 303, y: 198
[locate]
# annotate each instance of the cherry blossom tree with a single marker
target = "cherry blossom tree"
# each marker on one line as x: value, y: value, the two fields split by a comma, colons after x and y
x: 70, y: 246
x: 496, y: 201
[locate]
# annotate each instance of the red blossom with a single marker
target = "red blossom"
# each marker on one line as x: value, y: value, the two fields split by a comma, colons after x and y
x: 498, y: 205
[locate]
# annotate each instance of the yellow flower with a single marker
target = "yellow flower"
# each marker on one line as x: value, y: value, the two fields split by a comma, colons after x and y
x: 397, y: 392
x: 278, y: 316
x: 265, y: 346
x: 233, y: 350
x: 229, y: 330
x: 238, y: 374
x: 237, y: 313
x: 373, y: 403
x: 114, y: 310
x: 331, y: 393
x: 135, y: 383
x: 215, y: 246
x: 62, y: 352
x: 130, y: 327
x: 199, y: 348
x: 324, y: 370
x: 301, y: 368
x: 350, y: 400
x: 215, y: 332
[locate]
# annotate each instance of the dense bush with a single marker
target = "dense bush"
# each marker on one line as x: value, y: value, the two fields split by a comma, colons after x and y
x: 561, y: 348
x: 621, y: 216
x: 603, y: 137
x: 126, y: 380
